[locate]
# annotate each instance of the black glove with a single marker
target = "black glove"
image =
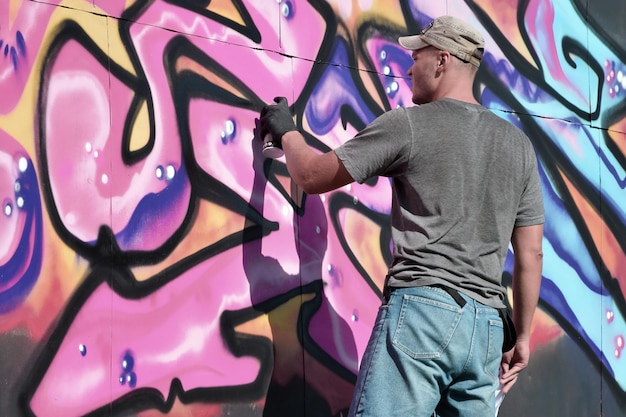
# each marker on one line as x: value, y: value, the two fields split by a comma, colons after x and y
x: 276, y: 120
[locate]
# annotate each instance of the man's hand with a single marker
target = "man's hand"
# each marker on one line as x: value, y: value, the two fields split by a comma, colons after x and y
x: 513, y: 362
x: 276, y: 120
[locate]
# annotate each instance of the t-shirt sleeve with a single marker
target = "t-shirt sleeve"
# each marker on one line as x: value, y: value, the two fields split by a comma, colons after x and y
x: 530, y: 211
x: 381, y: 149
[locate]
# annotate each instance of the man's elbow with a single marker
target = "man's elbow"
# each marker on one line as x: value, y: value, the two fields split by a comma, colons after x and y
x: 310, y: 186
x: 321, y: 174
x: 533, y: 253
x: 529, y: 259
x: 319, y: 183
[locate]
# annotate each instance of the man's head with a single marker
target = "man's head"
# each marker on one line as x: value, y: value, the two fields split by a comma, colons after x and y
x: 446, y: 56
x: 448, y: 33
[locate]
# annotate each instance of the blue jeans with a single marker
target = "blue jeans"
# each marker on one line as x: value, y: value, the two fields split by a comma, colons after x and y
x: 428, y: 354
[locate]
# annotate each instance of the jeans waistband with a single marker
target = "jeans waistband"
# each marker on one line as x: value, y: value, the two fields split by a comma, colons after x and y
x: 451, y: 291
x: 454, y: 294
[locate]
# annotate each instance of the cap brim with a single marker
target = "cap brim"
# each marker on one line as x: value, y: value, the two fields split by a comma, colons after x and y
x: 412, y: 43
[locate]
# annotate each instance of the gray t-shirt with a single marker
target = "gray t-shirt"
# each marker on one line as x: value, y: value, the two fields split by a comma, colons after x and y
x: 462, y: 179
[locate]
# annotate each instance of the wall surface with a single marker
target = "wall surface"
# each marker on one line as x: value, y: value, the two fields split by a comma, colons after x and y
x: 153, y: 263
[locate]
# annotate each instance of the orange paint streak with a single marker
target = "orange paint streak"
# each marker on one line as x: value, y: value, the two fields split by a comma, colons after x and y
x: 543, y: 330
x: 284, y: 323
x: 259, y: 326
x: 504, y: 15
x: 14, y: 6
x: 225, y: 8
x: 608, y: 247
x: 192, y: 410
x: 188, y: 64
x: 363, y: 237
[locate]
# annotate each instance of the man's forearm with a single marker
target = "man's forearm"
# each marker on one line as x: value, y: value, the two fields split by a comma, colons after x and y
x: 526, y: 286
x: 298, y: 156
x: 526, y: 277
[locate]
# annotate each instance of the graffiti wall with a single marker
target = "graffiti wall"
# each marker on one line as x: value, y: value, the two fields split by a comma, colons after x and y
x: 153, y: 263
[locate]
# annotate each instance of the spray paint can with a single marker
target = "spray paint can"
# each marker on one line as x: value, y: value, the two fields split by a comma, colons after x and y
x: 270, y: 150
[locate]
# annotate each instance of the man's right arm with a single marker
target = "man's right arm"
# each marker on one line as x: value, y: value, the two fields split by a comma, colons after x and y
x: 313, y: 172
x: 528, y: 262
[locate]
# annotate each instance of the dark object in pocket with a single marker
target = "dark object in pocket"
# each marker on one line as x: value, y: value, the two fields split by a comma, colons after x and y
x: 510, y: 335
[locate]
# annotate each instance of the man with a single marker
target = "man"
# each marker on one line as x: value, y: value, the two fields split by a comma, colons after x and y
x: 465, y: 183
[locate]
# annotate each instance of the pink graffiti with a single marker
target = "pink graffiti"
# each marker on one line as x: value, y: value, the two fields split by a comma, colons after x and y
x: 392, y: 75
x: 259, y: 65
x: 21, y: 229
x: 90, y: 182
x: 11, y: 219
x: 172, y: 333
x: 21, y: 34
x: 540, y: 19
x: 175, y: 333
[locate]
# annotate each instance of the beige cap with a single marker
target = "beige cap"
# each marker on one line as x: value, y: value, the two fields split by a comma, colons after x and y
x: 451, y: 34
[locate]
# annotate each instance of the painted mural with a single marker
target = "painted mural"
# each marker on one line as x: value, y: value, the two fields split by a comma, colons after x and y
x: 153, y: 263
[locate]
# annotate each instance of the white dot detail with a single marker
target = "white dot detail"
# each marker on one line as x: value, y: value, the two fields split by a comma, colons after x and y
x: 230, y: 127
x: 22, y: 164
x: 170, y: 172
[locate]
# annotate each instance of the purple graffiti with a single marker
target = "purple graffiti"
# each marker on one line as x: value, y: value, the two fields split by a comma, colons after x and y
x: 21, y: 229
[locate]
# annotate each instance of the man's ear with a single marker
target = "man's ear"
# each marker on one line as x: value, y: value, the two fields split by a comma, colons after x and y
x: 444, y: 58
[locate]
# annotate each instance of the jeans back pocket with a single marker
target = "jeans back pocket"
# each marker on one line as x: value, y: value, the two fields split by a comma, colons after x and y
x: 425, y: 326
